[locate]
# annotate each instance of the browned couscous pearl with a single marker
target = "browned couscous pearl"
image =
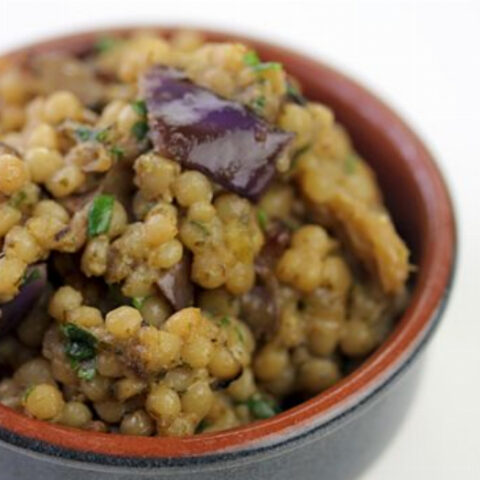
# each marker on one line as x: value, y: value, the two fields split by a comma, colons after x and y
x: 163, y: 403
x: 124, y: 322
x: 64, y: 300
x: 14, y: 174
x: 137, y: 423
x: 75, y: 414
x: 44, y: 402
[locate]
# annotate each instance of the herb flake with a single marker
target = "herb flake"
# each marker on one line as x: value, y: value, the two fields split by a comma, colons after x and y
x: 350, y: 164
x: 140, y: 107
x: 31, y: 276
x: 139, y: 302
x: 140, y: 130
x: 100, y: 215
x: 295, y: 94
x: 225, y: 321
x: 251, y: 59
x: 84, y: 134
x: 262, y: 67
x: 201, y: 226
x: 105, y: 44
x: 17, y: 199
x: 81, y: 350
x: 262, y: 218
x: 117, y: 152
x: 261, y: 407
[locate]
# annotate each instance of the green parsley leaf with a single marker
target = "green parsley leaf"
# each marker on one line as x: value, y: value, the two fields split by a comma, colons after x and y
x: 259, y: 103
x: 84, y: 134
x: 262, y: 218
x: 225, y: 321
x: 27, y: 393
x: 87, y: 370
x: 251, y: 58
x: 239, y: 333
x: 295, y: 94
x: 81, y: 344
x: 140, y: 129
x: 30, y: 276
x: 100, y: 215
x: 102, y: 135
x: 139, y: 302
x: 106, y: 44
x: 140, y: 107
x: 350, y: 164
x: 17, y: 199
x: 201, y: 226
x: 261, y: 407
x: 117, y: 152
x: 262, y: 67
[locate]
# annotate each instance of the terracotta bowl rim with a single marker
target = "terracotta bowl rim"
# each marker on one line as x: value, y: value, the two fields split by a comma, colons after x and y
x: 414, y: 328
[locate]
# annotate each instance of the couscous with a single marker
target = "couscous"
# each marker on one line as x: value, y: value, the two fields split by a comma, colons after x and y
x: 187, y: 243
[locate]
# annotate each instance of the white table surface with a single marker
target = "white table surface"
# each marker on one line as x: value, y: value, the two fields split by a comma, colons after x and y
x: 423, y: 58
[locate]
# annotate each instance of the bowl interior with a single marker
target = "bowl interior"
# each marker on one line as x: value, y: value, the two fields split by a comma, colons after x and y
x: 418, y: 200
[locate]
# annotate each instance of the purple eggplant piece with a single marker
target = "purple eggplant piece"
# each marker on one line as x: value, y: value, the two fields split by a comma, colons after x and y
x: 13, y: 312
x: 223, y: 139
x: 277, y: 239
x: 176, y: 286
x: 260, y: 306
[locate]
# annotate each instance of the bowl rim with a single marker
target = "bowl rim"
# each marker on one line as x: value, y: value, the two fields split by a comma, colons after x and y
x: 375, y: 374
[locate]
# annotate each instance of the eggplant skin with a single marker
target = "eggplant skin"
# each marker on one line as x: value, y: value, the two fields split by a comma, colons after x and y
x: 221, y: 138
x: 13, y: 312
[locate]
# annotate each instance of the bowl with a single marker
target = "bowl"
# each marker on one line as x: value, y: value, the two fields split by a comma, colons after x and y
x: 337, y: 433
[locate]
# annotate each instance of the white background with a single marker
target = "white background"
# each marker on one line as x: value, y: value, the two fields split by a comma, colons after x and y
x: 423, y: 57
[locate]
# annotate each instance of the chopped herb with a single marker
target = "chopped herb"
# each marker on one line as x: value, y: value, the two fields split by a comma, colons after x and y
x: 350, y: 164
x: 295, y: 94
x: 27, y: 393
x: 261, y: 407
x: 84, y: 134
x: 100, y: 215
x: 262, y: 218
x: 117, y: 152
x: 102, y: 135
x: 140, y: 107
x: 251, y: 58
x: 297, y: 154
x: 17, y: 199
x: 31, y: 276
x: 81, y: 343
x: 106, y: 44
x: 225, y: 321
x: 140, y: 129
x: 259, y: 103
x: 81, y: 350
x: 87, y: 370
x: 262, y: 67
x: 239, y: 334
x: 139, y: 302
x: 201, y: 226
x: 290, y: 224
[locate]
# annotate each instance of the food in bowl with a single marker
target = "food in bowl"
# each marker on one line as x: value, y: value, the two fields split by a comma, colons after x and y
x: 188, y: 243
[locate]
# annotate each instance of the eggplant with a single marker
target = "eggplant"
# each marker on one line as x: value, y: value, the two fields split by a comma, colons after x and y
x: 13, y: 312
x: 260, y: 306
x: 176, y: 286
x: 223, y: 139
